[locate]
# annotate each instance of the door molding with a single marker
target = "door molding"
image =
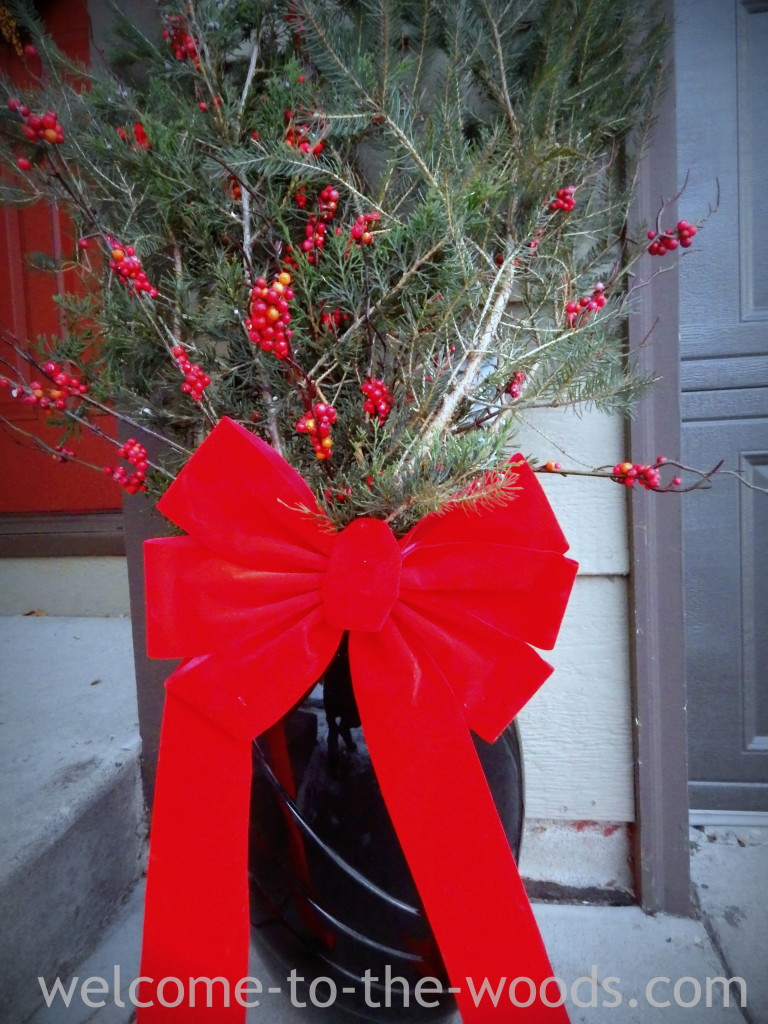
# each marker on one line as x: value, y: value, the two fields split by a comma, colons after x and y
x: 656, y: 613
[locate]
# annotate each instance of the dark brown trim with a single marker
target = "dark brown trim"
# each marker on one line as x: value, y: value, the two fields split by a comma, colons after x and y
x: 656, y: 614
x: 45, y: 535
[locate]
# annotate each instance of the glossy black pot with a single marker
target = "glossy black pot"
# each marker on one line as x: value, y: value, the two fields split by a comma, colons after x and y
x: 331, y: 893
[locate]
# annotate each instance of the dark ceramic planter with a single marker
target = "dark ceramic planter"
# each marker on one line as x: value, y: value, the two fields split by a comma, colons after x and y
x: 331, y: 893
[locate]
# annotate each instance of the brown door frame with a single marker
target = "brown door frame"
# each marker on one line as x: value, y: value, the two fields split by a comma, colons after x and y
x: 656, y: 613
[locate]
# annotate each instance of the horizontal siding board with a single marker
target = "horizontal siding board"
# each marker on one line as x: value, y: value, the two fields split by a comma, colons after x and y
x: 576, y: 731
x: 592, y: 512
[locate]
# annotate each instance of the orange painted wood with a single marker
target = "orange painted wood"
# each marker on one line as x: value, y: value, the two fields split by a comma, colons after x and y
x: 31, y: 480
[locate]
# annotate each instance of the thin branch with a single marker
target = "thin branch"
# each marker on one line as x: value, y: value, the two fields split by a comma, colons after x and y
x: 499, y: 295
x: 13, y: 341
x: 245, y: 207
x: 42, y: 446
x: 508, y: 109
x: 403, y: 281
x: 248, y: 78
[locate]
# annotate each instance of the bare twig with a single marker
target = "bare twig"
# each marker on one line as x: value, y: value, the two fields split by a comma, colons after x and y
x: 508, y: 109
x: 703, y: 476
x: 249, y: 78
x: 485, y: 333
x: 38, y: 443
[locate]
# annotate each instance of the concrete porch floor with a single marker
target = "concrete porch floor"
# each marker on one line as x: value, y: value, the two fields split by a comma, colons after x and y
x: 625, y: 948
x: 73, y: 847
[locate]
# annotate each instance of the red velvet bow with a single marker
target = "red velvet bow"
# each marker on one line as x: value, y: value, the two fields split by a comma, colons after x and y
x: 256, y: 599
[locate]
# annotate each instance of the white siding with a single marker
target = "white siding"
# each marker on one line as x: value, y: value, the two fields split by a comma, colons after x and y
x: 576, y: 732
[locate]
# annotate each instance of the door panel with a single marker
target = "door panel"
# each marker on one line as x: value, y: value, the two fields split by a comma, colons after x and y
x: 32, y: 481
x: 722, y: 82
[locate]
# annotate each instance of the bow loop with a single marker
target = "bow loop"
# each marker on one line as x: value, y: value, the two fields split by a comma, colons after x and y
x: 522, y: 518
x: 237, y: 496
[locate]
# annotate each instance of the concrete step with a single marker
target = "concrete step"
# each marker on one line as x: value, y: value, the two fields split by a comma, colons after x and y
x: 73, y: 830
x: 116, y: 960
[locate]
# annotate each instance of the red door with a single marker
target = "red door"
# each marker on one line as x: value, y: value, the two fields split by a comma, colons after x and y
x: 32, y: 481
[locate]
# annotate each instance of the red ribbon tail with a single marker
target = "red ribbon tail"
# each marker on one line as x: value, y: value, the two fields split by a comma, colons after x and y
x: 453, y: 840
x: 196, y: 928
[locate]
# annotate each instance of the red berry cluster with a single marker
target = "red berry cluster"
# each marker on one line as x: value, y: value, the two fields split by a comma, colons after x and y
x: 564, y: 199
x: 195, y: 380
x: 317, y: 424
x: 361, y: 230
x: 267, y: 325
x: 297, y: 23
x: 340, y: 494
x: 515, y: 386
x: 288, y: 259
x: 127, y: 265
x: 62, y: 454
x: 332, y: 321
x: 317, y: 224
x: 297, y: 135
x: 328, y: 202
x: 577, y: 312
x: 552, y: 467
x: 136, y: 455
x: 378, y: 398
x: 315, y: 238
x: 669, y: 239
x: 184, y: 45
x: 38, y: 127
x: 649, y: 477
x: 51, y: 395
x: 138, y: 133
x: 629, y: 473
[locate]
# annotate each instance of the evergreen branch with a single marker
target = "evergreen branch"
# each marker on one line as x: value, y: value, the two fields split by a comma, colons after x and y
x: 508, y: 108
x: 384, y: 50
x: 367, y: 98
x: 425, y: 7
x: 457, y: 123
x: 397, y: 287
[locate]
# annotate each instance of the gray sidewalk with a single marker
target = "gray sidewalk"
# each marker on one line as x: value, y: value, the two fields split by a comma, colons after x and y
x: 623, y: 948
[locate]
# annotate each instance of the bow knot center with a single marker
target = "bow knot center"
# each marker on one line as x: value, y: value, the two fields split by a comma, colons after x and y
x: 362, y: 582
